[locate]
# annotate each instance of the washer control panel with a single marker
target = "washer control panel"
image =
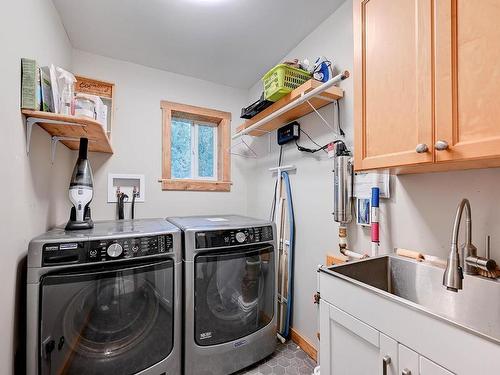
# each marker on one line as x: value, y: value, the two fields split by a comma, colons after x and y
x: 233, y: 237
x: 105, y: 250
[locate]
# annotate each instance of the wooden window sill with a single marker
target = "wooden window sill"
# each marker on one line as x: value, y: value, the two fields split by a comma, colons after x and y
x: 195, y: 185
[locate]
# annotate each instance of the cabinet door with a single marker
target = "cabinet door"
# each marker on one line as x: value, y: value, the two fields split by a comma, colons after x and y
x: 408, y: 361
x: 388, y: 355
x: 349, y: 346
x: 392, y: 82
x: 428, y: 367
x: 467, y: 78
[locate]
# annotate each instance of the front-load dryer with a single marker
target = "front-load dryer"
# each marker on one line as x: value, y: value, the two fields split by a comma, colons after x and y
x: 105, y: 300
x: 230, y: 292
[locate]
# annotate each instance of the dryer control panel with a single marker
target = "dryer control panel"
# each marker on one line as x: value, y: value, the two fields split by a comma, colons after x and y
x: 233, y: 237
x: 105, y: 249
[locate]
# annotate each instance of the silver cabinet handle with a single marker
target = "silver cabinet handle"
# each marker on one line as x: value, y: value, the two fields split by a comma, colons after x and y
x: 421, y: 148
x: 441, y: 145
x: 386, y: 361
x: 406, y: 372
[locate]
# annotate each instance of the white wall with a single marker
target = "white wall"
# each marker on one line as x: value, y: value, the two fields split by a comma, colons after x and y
x: 418, y: 216
x: 34, y: 191
x: 312, y: 183
x: 136, y: 136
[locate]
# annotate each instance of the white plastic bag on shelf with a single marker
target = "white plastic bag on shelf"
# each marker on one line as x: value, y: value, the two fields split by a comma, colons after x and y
x: 65, y: 82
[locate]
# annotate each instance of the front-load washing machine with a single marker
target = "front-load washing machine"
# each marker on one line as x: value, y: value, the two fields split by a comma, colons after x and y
x: 229, y: 292
x: 105, y: 300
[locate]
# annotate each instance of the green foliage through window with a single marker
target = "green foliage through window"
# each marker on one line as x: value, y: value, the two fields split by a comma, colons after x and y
x: 181, y: 149
x: 206, y: 151
x: 193, y: 148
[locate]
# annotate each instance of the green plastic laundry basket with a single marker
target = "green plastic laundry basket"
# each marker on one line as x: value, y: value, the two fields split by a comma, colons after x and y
x: 281, y: 80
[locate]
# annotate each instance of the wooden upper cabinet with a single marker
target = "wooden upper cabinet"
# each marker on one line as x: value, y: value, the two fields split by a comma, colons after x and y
x: 467, y: 74
x: 426, y: 72
x: 392, y: 82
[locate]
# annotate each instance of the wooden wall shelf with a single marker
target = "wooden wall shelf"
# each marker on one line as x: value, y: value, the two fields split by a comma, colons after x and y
x: 326, y: 97
x: 68, y: 130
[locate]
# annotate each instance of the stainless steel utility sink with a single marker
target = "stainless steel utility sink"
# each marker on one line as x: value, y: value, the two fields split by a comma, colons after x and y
x: 476, y: 308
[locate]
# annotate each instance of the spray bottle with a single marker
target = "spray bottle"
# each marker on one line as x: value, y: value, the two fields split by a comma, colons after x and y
x: 66, y: 80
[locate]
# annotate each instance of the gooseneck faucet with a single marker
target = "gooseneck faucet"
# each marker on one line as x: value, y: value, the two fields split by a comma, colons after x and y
x: 453, y: 275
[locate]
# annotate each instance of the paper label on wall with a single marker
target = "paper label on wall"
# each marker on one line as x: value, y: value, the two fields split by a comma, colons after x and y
x: 363, y: 183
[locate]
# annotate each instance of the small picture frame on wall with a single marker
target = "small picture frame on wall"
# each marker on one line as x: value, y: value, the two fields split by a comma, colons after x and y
x: 363, y: 212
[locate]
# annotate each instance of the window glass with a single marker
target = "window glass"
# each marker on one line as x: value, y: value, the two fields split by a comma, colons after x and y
x: 181, y: 148
x: 206, y: 151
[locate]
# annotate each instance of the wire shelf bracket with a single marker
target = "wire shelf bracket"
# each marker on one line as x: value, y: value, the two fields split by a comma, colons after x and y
x: 251, y: 152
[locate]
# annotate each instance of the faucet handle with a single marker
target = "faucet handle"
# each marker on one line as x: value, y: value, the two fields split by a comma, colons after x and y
x: 484, y: 264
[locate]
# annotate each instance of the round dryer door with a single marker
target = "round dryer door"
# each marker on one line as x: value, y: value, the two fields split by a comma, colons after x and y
x: 116, y: 321
x: 234, y: 293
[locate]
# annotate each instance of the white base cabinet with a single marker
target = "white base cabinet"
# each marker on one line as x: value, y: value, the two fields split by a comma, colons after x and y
x: 352, y: 347
x: 358, y: 325
x: 349, y: 346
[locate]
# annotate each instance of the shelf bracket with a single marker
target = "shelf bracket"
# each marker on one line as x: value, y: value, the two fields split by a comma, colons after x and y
x: 30, y: 121
x: 326, y: 98
x: 56, y: 139
x: 53, y: 145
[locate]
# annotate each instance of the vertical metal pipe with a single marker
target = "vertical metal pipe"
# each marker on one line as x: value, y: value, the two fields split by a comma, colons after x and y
x: 343, y: 172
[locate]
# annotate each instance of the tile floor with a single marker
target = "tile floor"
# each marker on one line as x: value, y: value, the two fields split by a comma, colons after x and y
x: 287, y: 359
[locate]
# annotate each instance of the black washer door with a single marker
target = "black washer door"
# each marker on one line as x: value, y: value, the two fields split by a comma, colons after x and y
x: 234, y: 293
x: 112, y: 321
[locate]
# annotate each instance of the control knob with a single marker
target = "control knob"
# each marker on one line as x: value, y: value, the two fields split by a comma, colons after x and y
x: 241, y: 237
x: 114, y: 250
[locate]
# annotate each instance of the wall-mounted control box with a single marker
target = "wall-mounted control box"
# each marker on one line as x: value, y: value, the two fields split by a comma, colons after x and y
x: 288, y: 133
x: 126, y: 184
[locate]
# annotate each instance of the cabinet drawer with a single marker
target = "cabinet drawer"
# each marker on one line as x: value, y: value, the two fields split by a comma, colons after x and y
x: 428, y: 367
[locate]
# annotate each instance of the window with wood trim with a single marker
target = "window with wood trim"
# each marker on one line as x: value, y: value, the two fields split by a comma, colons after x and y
x: 196, y: 145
